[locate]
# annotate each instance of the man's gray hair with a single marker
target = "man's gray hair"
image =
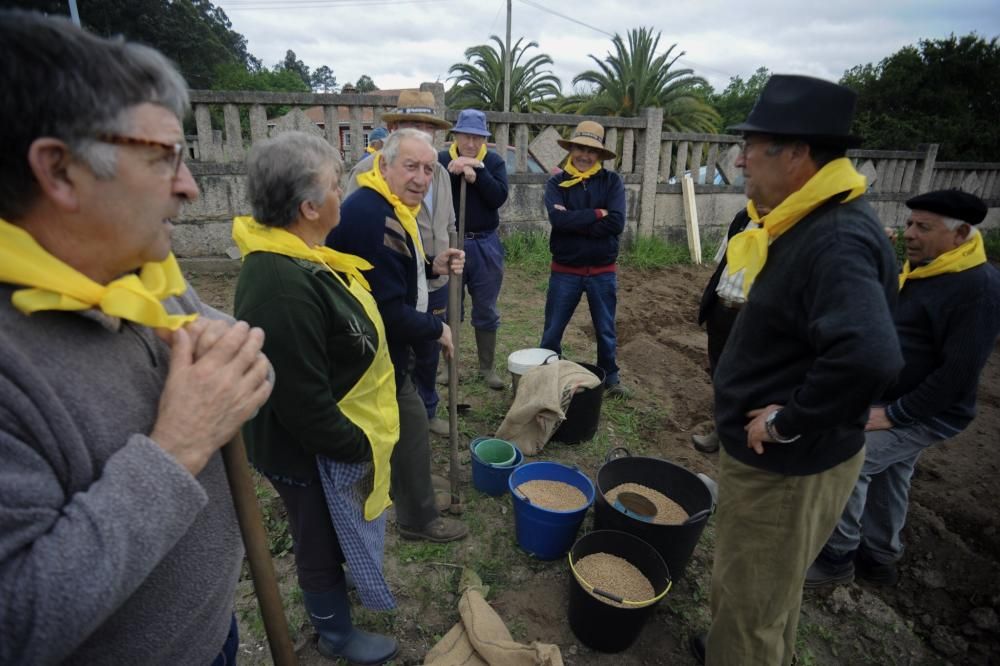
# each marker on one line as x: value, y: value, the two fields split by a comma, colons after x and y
x: 390, y: 149
x: 286, y: 170
x: 64, y: 83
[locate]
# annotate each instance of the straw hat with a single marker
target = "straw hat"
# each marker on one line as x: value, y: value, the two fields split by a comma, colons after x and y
x: 589, y: 134
x: 416, y: 106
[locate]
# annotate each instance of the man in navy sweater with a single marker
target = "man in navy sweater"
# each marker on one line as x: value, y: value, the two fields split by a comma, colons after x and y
x: 948, y: 319
x: 379, y: 223
x: 485, y: 176
x: 586, y: 207
x: 812, y: 347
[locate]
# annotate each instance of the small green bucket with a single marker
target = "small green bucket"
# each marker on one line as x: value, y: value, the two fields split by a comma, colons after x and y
x: 496, y: 452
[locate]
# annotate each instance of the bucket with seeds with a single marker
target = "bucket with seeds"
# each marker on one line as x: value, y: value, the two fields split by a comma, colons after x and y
x: 617, y: 579
x: 550, y: 502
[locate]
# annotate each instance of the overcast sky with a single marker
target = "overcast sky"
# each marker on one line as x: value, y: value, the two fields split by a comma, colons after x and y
x: 400, y: 43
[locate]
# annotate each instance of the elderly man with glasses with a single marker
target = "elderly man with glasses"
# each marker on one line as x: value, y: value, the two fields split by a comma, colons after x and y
x: 118, y: 539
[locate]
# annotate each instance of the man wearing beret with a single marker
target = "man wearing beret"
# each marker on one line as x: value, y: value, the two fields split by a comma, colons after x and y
x: 812, y: 348
x: 948, y: 319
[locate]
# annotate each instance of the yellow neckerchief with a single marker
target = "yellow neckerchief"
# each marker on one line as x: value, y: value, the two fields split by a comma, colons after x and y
x: 54, y: 285
x: 747, y: 250
x: 968, y: 255
x: 578, y: 175
x: 370, y: 150
x: 407, y: 216
x: 371, y: 405
x: 453, y: 151
x: 252, y: 236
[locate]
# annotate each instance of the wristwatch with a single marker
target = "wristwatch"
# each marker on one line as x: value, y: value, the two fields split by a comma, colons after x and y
x: 772, y: 431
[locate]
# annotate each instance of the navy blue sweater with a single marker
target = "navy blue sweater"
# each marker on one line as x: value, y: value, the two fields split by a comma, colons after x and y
x: 948, y: 325
x: 816, y: 335
x: 578, y: 236
x: 484, y: 197
x: 369, y: 228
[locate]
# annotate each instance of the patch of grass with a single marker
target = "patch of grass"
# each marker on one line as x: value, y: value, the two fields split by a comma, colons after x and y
x: 649, y: 252
x: 991, y: 239
x: 528, y: 249
x: 422, y: 551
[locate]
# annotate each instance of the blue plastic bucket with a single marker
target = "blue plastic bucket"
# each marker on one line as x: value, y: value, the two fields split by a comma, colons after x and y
x: 490, y: 479
x: 545, y: 533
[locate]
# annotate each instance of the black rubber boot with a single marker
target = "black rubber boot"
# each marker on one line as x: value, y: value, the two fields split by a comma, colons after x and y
x: 330, y: 614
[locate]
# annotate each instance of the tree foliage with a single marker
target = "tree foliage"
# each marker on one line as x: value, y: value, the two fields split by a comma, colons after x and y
x: 479, y: 82
x: 365, y: 84
x: 291, y: 63
x: 323, y: 80
x: 944, y: 91
x: 237, y: 77
x: 635, y: 77
x: 734, y: 103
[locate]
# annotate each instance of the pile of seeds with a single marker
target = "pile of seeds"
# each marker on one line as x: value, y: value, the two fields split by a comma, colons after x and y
x: 616, y: 576
x: 668, y: 512
x: 554, y: 495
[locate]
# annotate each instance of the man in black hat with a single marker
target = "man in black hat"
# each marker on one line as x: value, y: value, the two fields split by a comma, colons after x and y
x: 813, y: 346
x: 948, y: 319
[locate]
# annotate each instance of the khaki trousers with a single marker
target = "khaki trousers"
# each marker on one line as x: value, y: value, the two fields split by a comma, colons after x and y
x: 769, y: 529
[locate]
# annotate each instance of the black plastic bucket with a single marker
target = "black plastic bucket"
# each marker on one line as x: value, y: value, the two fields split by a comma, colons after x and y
x: 674, y: 542
x: 601, y: 626
x: 584, y: 412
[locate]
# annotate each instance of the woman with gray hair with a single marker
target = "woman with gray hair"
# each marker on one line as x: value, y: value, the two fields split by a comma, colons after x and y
x: 325, y: 436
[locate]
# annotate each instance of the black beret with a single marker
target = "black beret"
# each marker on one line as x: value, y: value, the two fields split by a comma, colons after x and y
x: 956, y: 204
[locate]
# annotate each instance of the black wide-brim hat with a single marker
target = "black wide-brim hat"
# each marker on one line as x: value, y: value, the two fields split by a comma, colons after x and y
x: 806, y: 107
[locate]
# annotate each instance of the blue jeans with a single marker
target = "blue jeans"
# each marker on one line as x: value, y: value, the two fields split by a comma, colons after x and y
x: 227, y: 656
x: 876, y: 511
x: 427, y: 352
x: 483, y: 277
x: 561, y: 300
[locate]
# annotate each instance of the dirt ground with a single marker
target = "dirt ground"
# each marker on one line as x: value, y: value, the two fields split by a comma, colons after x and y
x: 944, y: 609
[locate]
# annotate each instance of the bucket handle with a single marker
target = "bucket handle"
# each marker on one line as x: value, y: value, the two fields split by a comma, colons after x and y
x: 608, y: 595
x: 695, y: 517
x: 549, y: 358
x: 611, y: 454
x: 626, y: 602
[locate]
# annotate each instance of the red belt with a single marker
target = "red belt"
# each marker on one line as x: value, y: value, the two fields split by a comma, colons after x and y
x: 584, y: 270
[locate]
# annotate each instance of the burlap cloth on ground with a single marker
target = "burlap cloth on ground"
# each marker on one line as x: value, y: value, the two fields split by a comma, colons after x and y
x: 543, y: 396
x: 481, y: 639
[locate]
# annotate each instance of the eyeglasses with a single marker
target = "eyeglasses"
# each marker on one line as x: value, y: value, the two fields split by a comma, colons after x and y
x: 175, y: 149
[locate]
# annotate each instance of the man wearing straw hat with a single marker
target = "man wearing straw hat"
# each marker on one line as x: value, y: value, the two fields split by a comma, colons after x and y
x: 417, y: 109
x: 948, y: 320
x: 485, y: 176
x: 813, y: 345
x: 118, y: 538
x: 586, y: 207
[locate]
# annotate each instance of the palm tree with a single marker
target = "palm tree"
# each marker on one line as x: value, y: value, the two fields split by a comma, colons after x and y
x: 635, y: 77
x: 479, y: 82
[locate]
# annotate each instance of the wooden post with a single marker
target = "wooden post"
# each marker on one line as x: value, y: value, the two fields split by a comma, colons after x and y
x: 691, y: 219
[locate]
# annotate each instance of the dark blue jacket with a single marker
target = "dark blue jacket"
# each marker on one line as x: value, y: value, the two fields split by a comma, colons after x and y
x: 484, y: 197
x: 948, y: 326
x: 578, y: 236
x: 369, y: 228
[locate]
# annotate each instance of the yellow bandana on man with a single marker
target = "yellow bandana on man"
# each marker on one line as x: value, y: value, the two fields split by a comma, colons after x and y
x: 252, y: 236
x: 579, y: 176
x: 747, y: 250
x: 406, y: 215
x: 453, y: 151
x: 370, y: 150
x: 54, y: 285
x: 968, y: 255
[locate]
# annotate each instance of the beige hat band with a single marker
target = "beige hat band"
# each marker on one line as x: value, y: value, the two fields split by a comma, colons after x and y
x: 589, y: 135
x: 415, y: 109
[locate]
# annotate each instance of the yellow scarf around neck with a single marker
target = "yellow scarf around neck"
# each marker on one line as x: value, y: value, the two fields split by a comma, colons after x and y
x: 54, y: 285
x: 747, y: 250
x: 370, y: 150
x: 252, y: 236
x: 453, y: 151
x: 578, y: 175
x: 968, y: 255
x: 406, y: 215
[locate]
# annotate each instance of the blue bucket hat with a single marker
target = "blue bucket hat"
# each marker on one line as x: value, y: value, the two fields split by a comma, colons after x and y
x: 378, y: 134
x: 471, y: 121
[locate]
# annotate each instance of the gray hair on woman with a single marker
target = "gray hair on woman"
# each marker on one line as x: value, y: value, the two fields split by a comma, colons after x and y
x: 286, y: 170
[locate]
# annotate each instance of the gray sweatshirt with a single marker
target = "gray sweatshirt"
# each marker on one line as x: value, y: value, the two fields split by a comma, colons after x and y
x: 110, y: 551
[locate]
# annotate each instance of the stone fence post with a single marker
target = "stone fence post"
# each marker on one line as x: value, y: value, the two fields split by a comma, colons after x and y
x: 927, y: 168
x: 648, y: 165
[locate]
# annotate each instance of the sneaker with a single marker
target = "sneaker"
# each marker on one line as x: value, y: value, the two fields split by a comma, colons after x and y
x: 698, y: 647
x: 439, y: 427
x: 439, y: 530
x: 822, y: 574
x: 870, y: 570
x: 706, y: 443
x: 618, y: 392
